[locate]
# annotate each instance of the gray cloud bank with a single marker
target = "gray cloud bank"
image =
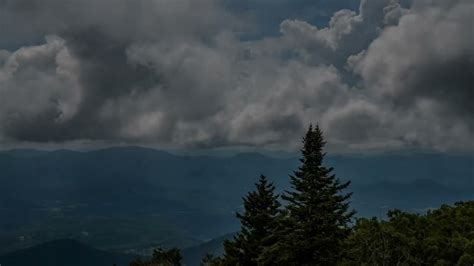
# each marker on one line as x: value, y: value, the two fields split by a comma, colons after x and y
x: 176, y: 74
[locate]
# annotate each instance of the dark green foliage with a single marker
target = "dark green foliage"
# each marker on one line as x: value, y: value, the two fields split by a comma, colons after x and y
x: 211, y: 260
x: 171, y: 257
x: 315, y: 223
x: 313, y: 227
x: 441, y: 237
x: 259, y: 222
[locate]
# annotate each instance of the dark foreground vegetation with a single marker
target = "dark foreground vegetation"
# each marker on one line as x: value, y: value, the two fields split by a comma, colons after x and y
x: 314, y: 225
x: 309, y: 224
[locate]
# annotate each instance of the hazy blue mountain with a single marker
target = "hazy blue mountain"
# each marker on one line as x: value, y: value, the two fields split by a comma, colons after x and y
x: 193, y: 255
x: 453, y: 170
x: 64, y: 252
x: 416, y: 196
x: 183, y: 200
x: 68, y: 252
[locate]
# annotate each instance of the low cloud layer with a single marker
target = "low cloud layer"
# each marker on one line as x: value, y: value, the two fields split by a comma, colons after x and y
x: 181, y: 74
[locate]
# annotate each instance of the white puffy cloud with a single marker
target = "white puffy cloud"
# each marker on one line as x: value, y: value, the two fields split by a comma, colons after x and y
x: 348, y: 32
x: 38, y: 81
x: 176, y: 73
x: 422, y: 71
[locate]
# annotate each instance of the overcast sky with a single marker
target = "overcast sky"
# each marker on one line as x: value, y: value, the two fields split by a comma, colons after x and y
x: 375, y: 75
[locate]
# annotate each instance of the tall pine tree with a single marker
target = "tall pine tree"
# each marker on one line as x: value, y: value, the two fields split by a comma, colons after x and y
x: 317, y: 213
x: 259, y: 223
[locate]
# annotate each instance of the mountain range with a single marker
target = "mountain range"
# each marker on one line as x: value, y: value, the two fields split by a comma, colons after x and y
x: 68, y: 252
x: 129, y: 199
x: 64, y: 252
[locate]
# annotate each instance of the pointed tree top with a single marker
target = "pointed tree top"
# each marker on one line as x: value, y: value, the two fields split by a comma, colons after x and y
x: 262, y: 180
x: 313, y: 144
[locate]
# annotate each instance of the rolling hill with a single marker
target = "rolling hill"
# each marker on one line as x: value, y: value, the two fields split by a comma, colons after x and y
x: 181, y: 200
x: 64, y: 252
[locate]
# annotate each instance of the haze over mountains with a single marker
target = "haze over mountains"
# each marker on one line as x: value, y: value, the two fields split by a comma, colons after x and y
x: 385, y: 80
x: 67, y: 252
x: 129, y: 199
x: 64, y: 252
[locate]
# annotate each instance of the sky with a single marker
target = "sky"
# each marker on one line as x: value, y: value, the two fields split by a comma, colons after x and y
x: 200, y: 74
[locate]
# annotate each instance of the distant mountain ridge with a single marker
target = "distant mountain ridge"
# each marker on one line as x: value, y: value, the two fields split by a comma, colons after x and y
x: 68, y: 252
x: 64, y: 252
x: 193, y: 255
x: 193, y: 196
x: 461, y: 165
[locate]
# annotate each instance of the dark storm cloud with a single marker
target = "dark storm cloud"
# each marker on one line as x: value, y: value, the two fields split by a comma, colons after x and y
x: 102, y: 73
x: 96, y: 35
x: 433, y: 79
x: 39, y: 89
x: 183, y: 73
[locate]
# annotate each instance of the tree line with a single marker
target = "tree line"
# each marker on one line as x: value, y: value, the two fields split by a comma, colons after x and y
x: 312, y: 224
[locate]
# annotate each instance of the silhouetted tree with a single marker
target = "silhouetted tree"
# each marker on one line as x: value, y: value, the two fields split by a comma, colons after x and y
x: 259, y: 223
x: 315, y: 222
x: 171, y: 257
x: 211, y: 260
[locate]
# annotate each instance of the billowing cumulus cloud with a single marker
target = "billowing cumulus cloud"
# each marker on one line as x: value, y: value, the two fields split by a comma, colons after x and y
x: 423, y: 71
x: 348, y: 33
x: 39, y: 88
x: 179, y: 74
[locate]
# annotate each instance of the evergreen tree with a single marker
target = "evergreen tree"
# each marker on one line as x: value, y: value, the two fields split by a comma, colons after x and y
x: 168, y: 257
x: 171, y: 257
x: 317, y: 214
x: 259, y: 222
x: 211, y: 260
